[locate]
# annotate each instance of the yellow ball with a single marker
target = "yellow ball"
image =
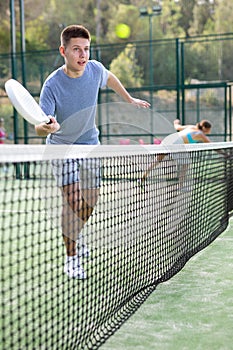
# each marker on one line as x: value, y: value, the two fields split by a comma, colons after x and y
x: 122, y: 31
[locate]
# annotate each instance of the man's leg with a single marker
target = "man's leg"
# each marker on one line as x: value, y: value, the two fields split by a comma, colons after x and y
x: 78, y: 206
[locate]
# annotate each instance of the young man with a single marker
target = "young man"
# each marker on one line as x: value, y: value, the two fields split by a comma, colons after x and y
x: 69, y: 95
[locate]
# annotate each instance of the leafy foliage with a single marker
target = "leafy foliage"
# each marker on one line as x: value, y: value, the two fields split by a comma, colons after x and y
x: 126, y: 68
x: 44, y: 19
x: 186, y: 19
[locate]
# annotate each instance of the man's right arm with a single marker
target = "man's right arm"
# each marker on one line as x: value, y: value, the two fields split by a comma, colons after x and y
x: 44, y: 129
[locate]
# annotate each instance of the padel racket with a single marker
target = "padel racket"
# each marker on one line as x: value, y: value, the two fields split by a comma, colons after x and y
x: 24, y: 103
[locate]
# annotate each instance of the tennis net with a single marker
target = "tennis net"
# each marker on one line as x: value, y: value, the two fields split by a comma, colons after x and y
x: 138, y: 235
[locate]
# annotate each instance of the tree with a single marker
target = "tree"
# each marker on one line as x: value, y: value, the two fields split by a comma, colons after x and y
x: 170, y: 18
x: 223, y: 16
x: 126, y: 68
x: 186, y: 18
x: 223, y: 23
x: 203, y: 17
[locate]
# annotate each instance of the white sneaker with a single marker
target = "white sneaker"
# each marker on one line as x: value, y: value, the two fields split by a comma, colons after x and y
x: 73, y: 269
x: 141, y: 184
x: 82, y: 250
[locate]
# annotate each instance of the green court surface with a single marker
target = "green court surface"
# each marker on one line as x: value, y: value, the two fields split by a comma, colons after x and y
x: 193, y: 310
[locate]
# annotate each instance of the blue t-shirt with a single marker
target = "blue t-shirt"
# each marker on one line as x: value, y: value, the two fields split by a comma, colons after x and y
x: 72, y: 101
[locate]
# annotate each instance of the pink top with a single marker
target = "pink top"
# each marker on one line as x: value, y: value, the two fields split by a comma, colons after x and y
x: 2, y: 135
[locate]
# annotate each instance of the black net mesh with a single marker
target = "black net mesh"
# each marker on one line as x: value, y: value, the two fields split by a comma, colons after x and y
x: 131, y: 235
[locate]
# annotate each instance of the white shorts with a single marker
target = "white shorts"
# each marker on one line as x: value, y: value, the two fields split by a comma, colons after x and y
x: 85, y: 171
x: 182, y: 157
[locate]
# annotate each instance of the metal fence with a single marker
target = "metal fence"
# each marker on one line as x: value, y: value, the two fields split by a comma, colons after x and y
x: 190, y: 79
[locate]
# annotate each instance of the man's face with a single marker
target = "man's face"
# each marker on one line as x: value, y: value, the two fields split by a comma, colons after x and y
x: 76, y: 55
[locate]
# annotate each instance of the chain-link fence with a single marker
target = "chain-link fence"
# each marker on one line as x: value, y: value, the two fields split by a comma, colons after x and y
x: 188, y: 79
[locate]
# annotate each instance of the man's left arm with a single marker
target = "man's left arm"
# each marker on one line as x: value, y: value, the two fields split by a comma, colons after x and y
x: 114, y: 83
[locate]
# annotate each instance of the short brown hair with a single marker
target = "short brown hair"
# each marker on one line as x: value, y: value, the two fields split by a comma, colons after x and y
x: 74, y: 31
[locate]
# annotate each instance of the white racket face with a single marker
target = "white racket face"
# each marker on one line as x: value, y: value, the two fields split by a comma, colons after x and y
x: 24, y: 103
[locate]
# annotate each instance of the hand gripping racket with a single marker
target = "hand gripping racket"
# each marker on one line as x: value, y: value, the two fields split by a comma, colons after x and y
x: 24, y: 103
